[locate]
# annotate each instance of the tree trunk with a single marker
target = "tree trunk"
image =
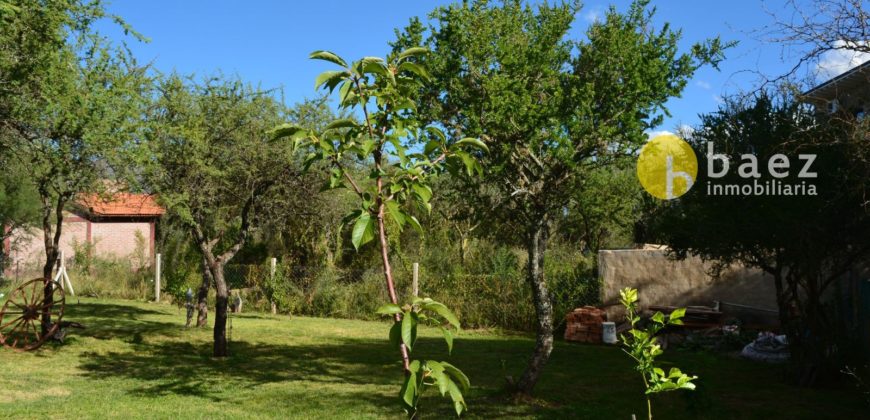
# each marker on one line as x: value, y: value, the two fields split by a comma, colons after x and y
x: 202, y: 295
x: 536, y: 247
x: 220, y: 318
x: 388, y: 276
x: 51, y: 242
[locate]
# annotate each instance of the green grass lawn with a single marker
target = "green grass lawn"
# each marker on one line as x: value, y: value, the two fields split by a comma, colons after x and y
x: 136, y: 360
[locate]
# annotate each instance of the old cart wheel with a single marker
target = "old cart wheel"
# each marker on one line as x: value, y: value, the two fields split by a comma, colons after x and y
x: 21, y: 315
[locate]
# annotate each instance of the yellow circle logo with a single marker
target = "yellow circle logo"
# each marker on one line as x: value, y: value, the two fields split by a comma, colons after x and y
x: 667, y: 167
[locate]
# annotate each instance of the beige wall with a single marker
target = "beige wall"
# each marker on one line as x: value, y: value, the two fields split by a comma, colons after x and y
x: 663, y: 281
x: 112, y: 240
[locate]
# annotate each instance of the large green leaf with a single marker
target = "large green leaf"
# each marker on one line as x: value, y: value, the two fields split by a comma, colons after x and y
x: 389, y: 309
x: 413, y: 52
x: 327, y: 56
x: 448, y: 337
x: 456, y: 396
x: 342, y: 123
x: 330, y: 78
x: 396, y: 213
x: 396, y: 334
x: 287, y: 130
x: 444, y: 311
x: 477, y: 143
x: 417, y: 69
x: 457, y: 374
x: 441, y: 379
x: 363, y: 230
x: 409, y: 329
x: 409, y: 389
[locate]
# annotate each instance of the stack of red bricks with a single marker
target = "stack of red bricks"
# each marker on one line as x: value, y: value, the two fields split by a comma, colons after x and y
x: 584, y: 324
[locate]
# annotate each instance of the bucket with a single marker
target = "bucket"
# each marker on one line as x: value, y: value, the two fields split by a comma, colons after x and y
x: 608, y: 332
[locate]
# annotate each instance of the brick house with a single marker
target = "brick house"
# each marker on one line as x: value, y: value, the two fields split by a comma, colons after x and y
x: 123, y: 226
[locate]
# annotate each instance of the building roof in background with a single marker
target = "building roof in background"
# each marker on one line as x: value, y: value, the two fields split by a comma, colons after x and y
x: 120, y: 205
x: 843, y: 84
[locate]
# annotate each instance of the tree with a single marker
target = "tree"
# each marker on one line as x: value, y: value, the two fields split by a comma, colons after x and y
x: 399, y: 181
x: 813, y: 30
x: 208, y: 158
x: 805, y: 242
x: 70, y: 104
x: 551, y: 109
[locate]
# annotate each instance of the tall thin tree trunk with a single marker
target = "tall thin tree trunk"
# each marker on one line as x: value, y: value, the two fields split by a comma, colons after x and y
x: 220, y: 318
x: 202, y: 295
x: 52, y: 242
x: 388, y: 276
x: 536, y: 247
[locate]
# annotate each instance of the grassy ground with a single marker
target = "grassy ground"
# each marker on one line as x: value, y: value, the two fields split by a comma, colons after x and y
x: 136, y: 360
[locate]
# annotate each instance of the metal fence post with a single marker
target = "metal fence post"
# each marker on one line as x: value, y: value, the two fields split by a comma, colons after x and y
x: 272, y: 269
x: 157, y: 279
x: 415, y: 285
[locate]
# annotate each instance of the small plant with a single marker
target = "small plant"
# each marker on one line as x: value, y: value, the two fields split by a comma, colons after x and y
x: 642, y: 346
x: 422, y: 373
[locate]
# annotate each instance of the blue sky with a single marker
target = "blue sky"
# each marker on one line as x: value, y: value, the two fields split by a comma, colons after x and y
x: 268, y: 42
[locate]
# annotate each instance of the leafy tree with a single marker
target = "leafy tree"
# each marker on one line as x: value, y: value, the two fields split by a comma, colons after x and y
x: 70, y: 103
x: 805, y: 242
x: 552, y: 110
x: 210, y: 161
x: 399, y: 177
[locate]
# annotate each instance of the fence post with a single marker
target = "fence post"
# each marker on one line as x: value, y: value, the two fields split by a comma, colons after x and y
x: 415, y: 285
x: 274, y: 265
x: 157, y: 279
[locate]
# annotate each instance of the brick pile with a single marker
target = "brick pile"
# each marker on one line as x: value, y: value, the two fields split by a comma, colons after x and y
x: 584, y: 324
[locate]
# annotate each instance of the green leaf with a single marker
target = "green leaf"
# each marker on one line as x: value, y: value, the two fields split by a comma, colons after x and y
x: 658, y: 317
x: 389, y: 309
x: 444, y: 312
x: 287, y: 130
x: 458, y: 375
x: 363, y: 230
x: 456, y: 396
x: 409, y: 329
x: 330, y: 78
x: 676, y: 315
x: 396, y: 334
x: 409, y: 389
x: 342, y: 123
x: 395, y: 212
x: 477, y: 143
x: 422, y: 191
x: 438, y: 374
x: 416, y: 69
x: 414, y: 223
x: 448, y: 337
x: 413, y: 52
x: 327, y: 56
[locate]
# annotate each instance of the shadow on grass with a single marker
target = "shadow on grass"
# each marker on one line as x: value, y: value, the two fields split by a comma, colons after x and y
x: 106, y: 321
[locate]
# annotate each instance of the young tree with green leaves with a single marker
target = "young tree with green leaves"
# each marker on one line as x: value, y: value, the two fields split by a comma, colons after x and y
x: 398, y: 182
x: 71, y: 104
x: 551, y: 110
x: 208, y: 157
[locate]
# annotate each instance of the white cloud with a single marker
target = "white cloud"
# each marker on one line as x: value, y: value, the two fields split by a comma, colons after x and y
x: 703, y: 85
x: 836, y: 62
x: 593, y: 15
x: 652, y: 134
x: 718, y: 99
x: 685, y: 130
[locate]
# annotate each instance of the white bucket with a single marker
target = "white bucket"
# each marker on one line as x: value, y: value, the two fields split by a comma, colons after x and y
x: 608, y: 332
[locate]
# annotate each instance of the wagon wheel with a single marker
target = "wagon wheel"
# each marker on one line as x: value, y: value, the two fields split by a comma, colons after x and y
x: 21, y: 315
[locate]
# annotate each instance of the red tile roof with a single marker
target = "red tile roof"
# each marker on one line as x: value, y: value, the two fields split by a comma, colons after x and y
x: 121, y: 205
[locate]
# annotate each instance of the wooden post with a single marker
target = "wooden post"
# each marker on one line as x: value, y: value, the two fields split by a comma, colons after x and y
x: 157, y: 279
x: 415, y: 285
x: 272, y: 269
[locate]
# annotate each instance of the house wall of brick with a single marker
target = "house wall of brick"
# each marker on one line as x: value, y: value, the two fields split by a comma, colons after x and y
x: 123, y: 240
x: 111, y: 240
